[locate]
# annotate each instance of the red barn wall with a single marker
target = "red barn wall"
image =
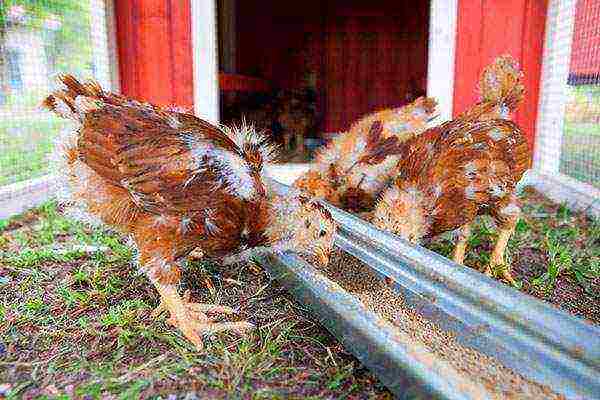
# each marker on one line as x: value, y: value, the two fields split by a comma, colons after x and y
x: 155, y: 51
x: 489, y: 28
x: 585, y: 53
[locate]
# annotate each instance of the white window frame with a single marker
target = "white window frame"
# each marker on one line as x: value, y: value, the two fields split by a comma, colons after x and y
x: 18, y: 197
x: 441, y: 55
x: 205, y: 59
x: 545, y: 175
x: 440, y: 70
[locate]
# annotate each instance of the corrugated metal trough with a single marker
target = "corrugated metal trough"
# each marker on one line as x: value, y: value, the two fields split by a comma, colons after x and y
x: 539, y: 342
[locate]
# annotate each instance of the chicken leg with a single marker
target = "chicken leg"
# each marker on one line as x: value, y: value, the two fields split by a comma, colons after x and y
x: 497, y: 265
x: 190, y: 318
x: 461, y: 244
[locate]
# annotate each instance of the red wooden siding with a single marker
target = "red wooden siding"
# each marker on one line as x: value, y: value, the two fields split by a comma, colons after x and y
x: 585, y: 54
x: 370, y: 61
x: 155, y: 52
x: 489, y: 28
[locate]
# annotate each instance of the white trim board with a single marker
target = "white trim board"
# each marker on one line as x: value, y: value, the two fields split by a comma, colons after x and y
x: 205, y: 59
x: 440, y: 59
x: 555, y: 70
x: 21, y: 196
x: 560, y: 188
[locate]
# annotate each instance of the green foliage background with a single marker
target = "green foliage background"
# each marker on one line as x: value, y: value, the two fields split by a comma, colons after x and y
x: 27, y: 132
x: 70, y: 45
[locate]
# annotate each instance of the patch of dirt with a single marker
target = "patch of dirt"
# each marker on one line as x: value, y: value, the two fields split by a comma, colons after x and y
x: 580, y: 299
x: 567, y: 293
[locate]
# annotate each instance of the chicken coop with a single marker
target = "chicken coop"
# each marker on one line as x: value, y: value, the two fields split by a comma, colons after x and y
x: 303, y: 73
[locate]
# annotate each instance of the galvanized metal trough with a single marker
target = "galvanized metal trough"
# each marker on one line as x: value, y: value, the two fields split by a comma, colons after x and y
x: 539, y: 342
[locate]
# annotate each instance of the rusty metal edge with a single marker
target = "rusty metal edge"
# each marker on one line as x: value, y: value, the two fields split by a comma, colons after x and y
x: 544, y: 344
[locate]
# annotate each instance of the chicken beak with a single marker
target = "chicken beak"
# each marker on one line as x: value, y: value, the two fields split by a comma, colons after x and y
x: 322, y: 257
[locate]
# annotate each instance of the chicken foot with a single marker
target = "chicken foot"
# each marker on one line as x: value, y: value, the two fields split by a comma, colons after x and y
x: 190, y: 318
x: 461, y: 244
x: 193, y: 307
x: 497, y: 265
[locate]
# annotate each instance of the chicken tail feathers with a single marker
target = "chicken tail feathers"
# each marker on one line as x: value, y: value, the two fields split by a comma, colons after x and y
x: 501, y: 84
x: 75, y: 99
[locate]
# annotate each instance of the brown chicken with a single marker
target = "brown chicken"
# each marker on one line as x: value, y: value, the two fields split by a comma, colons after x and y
x: 355, y: 166
x: 463, y: 168
x: 173, y: 183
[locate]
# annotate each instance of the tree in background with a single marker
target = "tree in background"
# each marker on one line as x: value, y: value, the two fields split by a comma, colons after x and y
x: 64, y: 27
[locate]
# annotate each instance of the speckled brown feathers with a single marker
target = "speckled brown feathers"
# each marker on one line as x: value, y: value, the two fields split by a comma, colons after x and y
x: 355, y: 166
x: 168, y: 170
x: 463, y: 166
x: 501, y: 90
x: 173, y: 182
x: 452, y: 173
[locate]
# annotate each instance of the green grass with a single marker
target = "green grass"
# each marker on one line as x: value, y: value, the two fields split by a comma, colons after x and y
x: 24, y: 147
x: 76, y: 323
x: 580, y: 152
x: 554, y: 254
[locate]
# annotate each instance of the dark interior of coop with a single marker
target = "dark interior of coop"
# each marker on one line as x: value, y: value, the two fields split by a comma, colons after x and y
x: 305, y: 71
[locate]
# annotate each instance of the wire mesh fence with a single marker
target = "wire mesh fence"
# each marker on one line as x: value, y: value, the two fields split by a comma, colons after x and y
x: 38, y: 40
x: 580, y: 150
x: 568, y: 142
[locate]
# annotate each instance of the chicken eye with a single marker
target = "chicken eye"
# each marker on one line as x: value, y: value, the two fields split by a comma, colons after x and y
x: 307, y: 224
x: 322, y: 233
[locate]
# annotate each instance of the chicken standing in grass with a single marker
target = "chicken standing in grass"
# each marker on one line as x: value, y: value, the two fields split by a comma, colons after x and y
x: 174, y: 183
x: 463, y: 168
x: 356, y: 166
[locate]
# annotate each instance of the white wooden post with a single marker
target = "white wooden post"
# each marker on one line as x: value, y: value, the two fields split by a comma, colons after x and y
x: 440, y: 65
x: 553, y: 88
x: 104, y: 44
x: 205, y: 59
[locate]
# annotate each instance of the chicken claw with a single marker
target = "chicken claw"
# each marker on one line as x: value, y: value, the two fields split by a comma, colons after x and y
x: 497, y: 268
x: 190, y: 318
x: 194, y: 307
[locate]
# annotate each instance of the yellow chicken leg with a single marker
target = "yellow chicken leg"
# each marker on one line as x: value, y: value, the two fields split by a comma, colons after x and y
x: 461, y: 244
x: 497, y: 264
x: 190, y: 318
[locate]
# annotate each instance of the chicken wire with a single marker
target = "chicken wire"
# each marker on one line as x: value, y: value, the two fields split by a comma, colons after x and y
x: 38, y: 40
x: 568, y: 132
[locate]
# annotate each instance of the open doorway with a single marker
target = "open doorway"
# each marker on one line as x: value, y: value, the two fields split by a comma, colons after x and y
x: 305, y: 71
